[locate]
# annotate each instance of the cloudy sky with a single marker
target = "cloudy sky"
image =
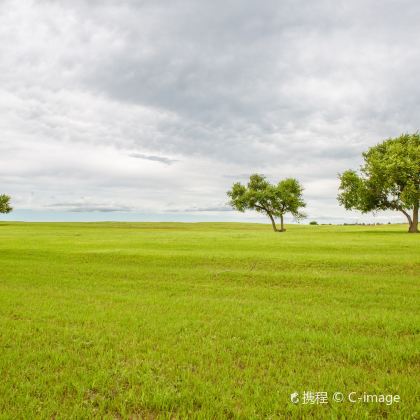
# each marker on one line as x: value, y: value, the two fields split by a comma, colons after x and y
x: 113, y: 109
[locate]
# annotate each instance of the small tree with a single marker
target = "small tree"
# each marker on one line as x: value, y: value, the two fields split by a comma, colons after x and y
x: 5, y: 204
x: 272, y: 200
x: 389, y: 180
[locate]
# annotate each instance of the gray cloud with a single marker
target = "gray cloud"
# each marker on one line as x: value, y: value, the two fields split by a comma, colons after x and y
x: 201, y: 209
x: 82, y: 209
x: 88, y: 207
x: 290, y: 88
x: 161, y: 159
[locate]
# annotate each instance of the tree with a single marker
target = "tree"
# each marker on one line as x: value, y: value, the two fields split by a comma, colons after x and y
x: 272, y: 200
x: 5, y: 204
x: 389, y: 179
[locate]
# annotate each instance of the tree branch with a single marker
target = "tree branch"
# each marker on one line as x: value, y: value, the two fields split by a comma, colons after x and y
x: 261, y: 208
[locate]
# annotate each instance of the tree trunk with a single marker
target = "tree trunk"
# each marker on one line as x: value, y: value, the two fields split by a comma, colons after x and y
x: 273, y: 223
x: 415, y: 221
x: 282, y: 229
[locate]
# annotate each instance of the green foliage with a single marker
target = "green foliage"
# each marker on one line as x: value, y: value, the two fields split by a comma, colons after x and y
x: 5, y: 204
x: 263, y: 197
x: 313, y: 222
x: 205, y: 320
x: 389, y: 178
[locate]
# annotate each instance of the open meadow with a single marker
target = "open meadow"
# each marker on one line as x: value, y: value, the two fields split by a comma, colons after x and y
x: 206, y: 320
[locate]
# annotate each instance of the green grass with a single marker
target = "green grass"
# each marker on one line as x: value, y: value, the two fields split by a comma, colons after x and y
x: 146, y: 320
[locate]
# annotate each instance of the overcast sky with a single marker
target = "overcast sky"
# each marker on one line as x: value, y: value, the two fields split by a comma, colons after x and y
x: 156, y: 107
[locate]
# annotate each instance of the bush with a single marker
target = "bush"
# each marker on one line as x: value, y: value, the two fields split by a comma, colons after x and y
x: 314, y: 222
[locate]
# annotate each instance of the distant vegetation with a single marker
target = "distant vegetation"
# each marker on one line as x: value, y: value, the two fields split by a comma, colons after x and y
x: 274, y: 200
x: 5, y: 206
x: 313, y: 222
x: 388, y: 180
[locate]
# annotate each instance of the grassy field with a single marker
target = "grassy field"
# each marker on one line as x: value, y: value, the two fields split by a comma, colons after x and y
x: 146, y: 320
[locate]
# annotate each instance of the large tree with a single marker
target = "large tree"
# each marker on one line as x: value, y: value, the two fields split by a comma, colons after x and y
x: 5, y: 204
x: 389, y: 179
x: 274, y: 200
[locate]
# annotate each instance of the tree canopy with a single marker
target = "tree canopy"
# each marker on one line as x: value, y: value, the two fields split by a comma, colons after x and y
x: 274, y: 200
x: 5, y: 204
x: 389, y: 179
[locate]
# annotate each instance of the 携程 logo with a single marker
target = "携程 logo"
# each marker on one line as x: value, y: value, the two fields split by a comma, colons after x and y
x: 294, y: 397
